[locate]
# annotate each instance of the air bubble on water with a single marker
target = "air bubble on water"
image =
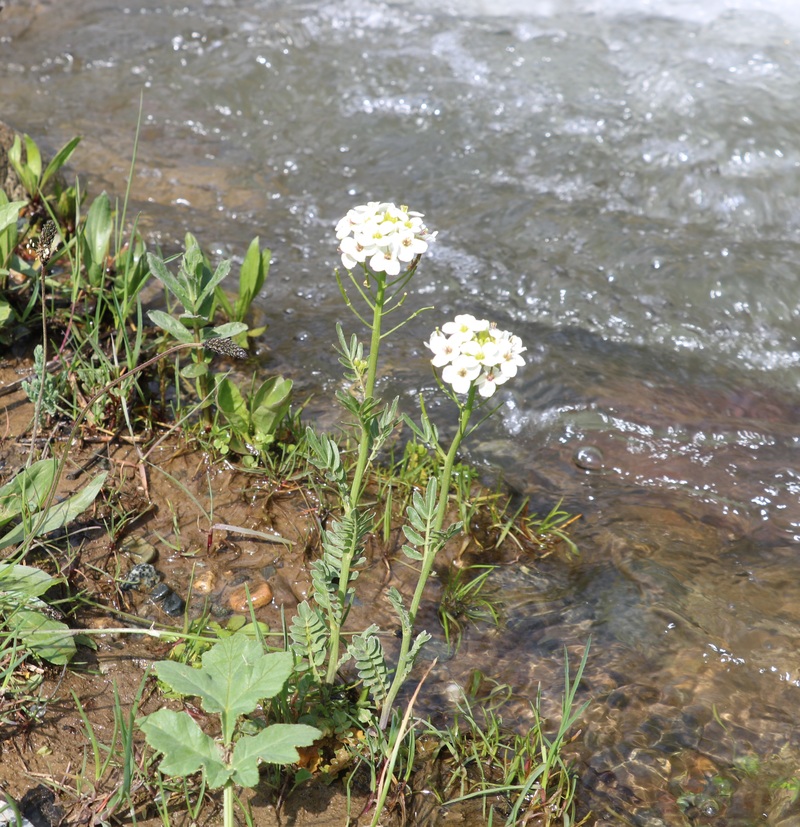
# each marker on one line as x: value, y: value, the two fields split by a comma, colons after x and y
x: 589, y: 458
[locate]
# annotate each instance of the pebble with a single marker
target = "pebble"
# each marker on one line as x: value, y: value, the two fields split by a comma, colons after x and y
x: 173, y: 604
x: 204, y: 583
x: 260, y: 595
x: 142, y: 576
x: 139, y: 550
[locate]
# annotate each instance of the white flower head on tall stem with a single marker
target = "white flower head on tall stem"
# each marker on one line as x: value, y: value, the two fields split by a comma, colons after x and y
x: 474, y: 352
x: 382, y: 236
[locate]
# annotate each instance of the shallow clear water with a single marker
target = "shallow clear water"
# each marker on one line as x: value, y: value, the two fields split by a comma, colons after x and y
x: 620, y: 184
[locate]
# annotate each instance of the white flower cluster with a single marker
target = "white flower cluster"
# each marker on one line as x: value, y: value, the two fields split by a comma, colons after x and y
x: 473, y: 350
x: 382, y: 235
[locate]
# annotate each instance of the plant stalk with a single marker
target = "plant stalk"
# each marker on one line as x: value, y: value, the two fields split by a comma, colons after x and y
x: 227, y: 805
x: 369, y: 390
x: 364, y: 447
x: 429, y: 554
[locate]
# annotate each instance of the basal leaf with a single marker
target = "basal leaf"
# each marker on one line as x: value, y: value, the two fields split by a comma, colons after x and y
x: 271, y: 404
x: 277, y: 744
x: 48, y: 639
x: 27, y: 490
x: 33, y: 157
x: 97, y: 237
x: 233, y: 407
x: 59, y: 159
x: 273, y: 393
x: 57, y: 515
x: 28, y: 580
x: 9, y: 213
x: 252, y: 275
x: 185, y: 747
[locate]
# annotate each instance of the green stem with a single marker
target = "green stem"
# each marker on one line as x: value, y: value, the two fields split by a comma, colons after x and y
x: 364, y: 447
x: 227, y: 805
x: 369, y: 390
x: 429, y: 553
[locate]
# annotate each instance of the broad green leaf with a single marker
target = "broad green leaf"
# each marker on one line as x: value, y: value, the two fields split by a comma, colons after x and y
x: 48, y: 639
x: 34, y: 157
x: 229, y: 329
x: 277, y: 744
x: 96, y: 238
x: 9, y: 214
x: 223, y: 268
x: 57, y: 515
x: 231, y: 402
x: 255, y: 268
x: 273, y: 393
x: 235, y: 676
x: 186, y: 748
x: 28, y: 580
x: 171, y: 325
x: 24, y: 172
x: 194, y: 370
x: 171, y: 282
x: 271, y: 404
x: 59, y: 159
x: 26, y: 491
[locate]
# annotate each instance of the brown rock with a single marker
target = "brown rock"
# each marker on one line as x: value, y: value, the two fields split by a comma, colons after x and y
x: 260, y: 595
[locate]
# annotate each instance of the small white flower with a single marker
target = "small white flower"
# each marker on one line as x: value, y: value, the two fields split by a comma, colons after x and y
x: 488, y: 381
x: 487, y: 353
x: 509, y: 363
x: 352, y: 252
x: 463, y: 327
x: 444, y: 348
x: 461, y: 373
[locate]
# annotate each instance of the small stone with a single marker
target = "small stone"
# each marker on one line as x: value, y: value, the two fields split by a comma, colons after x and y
x: 260, y: 595
x: 173, y: 604
x: 142, y: 576
x: 204, y: 583
x: 139, y: 550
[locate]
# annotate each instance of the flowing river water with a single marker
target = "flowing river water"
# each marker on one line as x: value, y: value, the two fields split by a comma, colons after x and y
x: 619, y: 183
